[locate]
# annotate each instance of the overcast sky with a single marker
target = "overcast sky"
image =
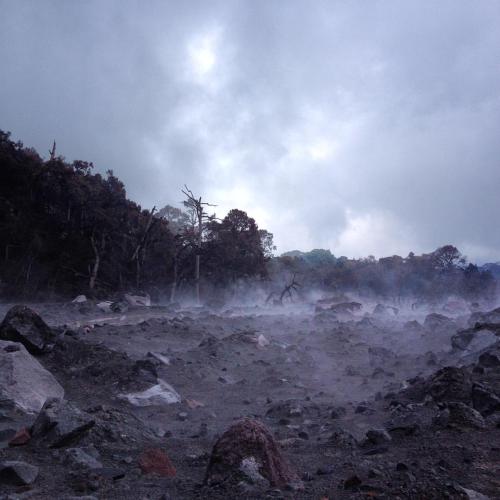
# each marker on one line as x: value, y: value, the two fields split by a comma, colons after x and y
x: 366, y: 127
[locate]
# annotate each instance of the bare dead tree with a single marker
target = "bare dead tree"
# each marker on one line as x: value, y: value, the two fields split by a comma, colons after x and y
x: 52, y: 152
x: 291, y: 287
x: 287, y: 290
x: 181, y: 244
x: 139, y: 254
x: 197, y: 207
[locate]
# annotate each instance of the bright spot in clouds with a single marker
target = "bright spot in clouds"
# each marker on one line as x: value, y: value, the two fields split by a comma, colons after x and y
x: 202, y: 53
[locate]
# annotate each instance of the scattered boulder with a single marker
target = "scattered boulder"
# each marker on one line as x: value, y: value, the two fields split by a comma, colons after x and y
x: 159, y: 394
x: 491, y: 357
x: 248, y: 440
x: 484, y: 400
x: 60, y: 423
x: 85, y: 458
x: 459, y: 415
x: 119, y: 307
x: 492, y: 316
x: 155, y: 461
x: 17, y: 473
x: 346, y: 307
x: 435, y: 321
x: 137, y: 300
x: 105, y: 306
x: 24, y: 383
x: 23, y: 325
x: 450, y: 384
x: 79, y: 299
x: 378, y: 436
x: 474, y: 339
x: 382, y: 310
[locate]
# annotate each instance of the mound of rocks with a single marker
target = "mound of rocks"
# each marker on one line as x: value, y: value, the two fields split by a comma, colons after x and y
x: 248, y: 452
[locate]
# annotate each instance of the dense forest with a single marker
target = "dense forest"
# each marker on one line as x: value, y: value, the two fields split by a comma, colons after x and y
x: 66, y: 230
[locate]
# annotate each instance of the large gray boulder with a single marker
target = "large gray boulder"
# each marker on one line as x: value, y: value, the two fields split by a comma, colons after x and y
x: 24, y: 383
x: 21, y: 324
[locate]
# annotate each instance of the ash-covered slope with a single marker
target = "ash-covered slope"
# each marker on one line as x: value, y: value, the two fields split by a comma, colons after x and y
x: 343, y: 403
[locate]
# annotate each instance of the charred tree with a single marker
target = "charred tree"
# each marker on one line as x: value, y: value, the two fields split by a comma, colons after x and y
x: 197, y: 207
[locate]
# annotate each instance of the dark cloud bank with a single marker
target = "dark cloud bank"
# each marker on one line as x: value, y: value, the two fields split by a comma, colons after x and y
x: 365, y: 127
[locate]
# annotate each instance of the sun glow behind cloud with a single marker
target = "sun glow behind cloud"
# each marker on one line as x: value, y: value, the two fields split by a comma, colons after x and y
x: 202, y: 54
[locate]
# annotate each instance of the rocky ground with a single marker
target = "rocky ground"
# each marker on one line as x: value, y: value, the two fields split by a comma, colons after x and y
x: 308, y: 401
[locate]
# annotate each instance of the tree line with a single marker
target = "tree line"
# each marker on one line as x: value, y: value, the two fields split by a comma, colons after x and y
x: 432, y: 276
x: 65, y: 230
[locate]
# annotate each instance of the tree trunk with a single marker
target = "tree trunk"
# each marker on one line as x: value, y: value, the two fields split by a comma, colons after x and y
x: 95, y: 270
x: 197, y: 278
x: 173, y: 289
x: 197, y: 264
x: 97, y: 260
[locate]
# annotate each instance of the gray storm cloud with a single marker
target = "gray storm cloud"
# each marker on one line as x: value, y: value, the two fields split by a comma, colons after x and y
x: 365, y: 127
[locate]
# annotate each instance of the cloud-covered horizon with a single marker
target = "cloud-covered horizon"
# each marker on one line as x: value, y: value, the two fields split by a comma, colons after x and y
x: 363, y: 127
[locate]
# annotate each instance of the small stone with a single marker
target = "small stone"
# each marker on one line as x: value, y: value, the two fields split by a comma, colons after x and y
x: 22, y: 437
x: 156, y: 461
x: 182, y: 416
x: 378, y: 436
x: 81, y: 458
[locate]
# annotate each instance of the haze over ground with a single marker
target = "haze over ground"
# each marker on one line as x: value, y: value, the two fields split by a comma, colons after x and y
x: 366, y: 128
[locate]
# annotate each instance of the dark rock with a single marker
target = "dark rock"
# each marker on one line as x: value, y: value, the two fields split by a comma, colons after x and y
x: 17, y: 473
x: 23, y: 325
x: 378, y: 436
x: 461, y: 416
x: 484, y: 400
x: 450, y: 384
x: 342, y: 439
x: 352, y: 483
x: 248, y: 439
x: 60, y: 423
x: 346, y: 307
x: 119, y: 307
x: 489, y: 359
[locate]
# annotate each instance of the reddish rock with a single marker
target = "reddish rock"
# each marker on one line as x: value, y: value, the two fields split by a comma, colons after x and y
x: 248, y: 440
x: 21, y: 437
x: 155, y: 461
